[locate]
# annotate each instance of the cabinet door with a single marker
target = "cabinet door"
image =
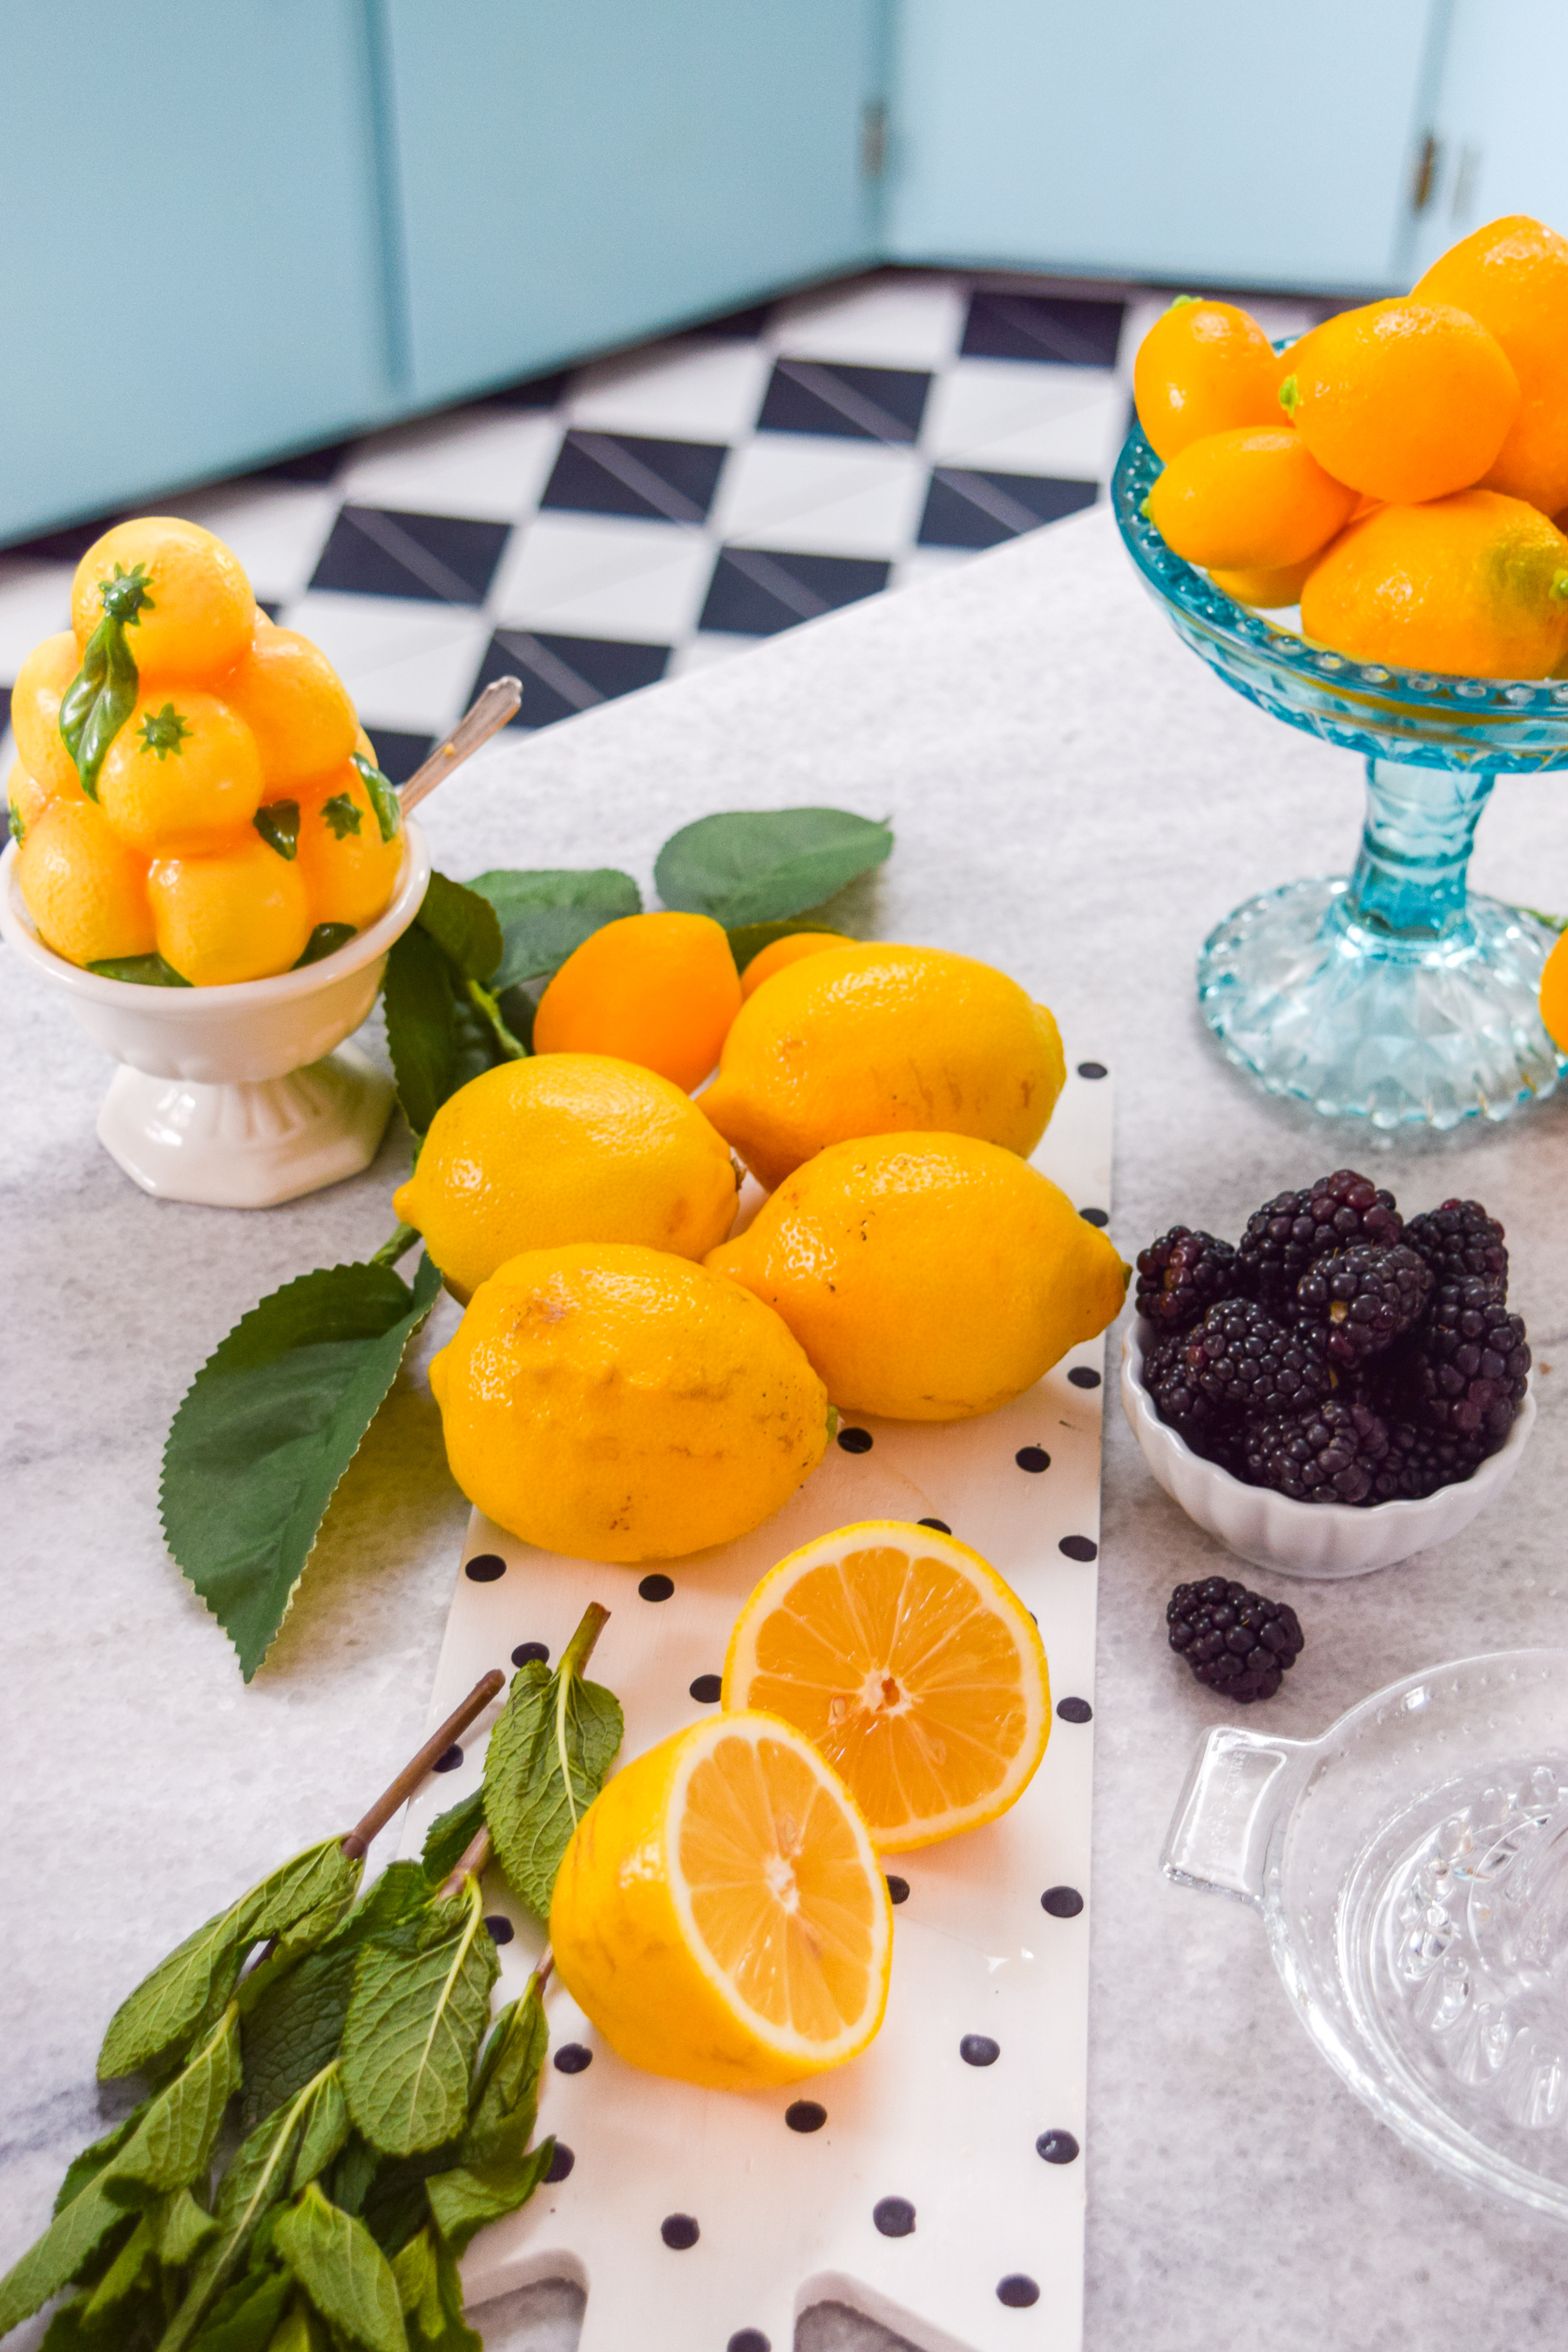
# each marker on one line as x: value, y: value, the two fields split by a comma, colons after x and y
x: 1224, y: 143
x: 1497, y: 126
x: 190, y: 261
x: 575, y: 176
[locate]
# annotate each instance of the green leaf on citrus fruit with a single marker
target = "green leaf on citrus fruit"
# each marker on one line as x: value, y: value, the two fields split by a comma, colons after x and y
x: 545, y: 916
x: 757, y: 866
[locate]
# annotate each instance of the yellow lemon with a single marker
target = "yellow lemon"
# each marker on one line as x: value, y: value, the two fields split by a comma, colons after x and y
x: 719, y: 1914
x: 616, y: 1402
x: 85, y: 890
x: 198, y: 614
x: 909, y: 1665
x: 239, y: 915
x: 349, y: 866
x: 929, y: 1278
x: 26, y: 799
x: 876, y: 1040
x: 35, y: 699
x: 182, y: 777
x: 565, y: 1148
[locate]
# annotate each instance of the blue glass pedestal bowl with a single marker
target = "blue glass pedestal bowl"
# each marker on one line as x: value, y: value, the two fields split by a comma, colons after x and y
x: 1390, y: 994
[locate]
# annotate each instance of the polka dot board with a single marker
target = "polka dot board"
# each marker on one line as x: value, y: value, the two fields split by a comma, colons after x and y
x: 937, y: 2184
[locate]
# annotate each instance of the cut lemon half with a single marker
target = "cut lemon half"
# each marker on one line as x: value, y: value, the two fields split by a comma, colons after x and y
x: 720, y: 1914
x: 909, y: 1665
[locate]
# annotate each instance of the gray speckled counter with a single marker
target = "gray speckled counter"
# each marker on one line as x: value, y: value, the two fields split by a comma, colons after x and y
x: 1075, y: 799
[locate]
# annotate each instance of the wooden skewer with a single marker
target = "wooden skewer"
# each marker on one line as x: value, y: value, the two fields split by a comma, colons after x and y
x: 413, y: 1771
x: 499, y: 702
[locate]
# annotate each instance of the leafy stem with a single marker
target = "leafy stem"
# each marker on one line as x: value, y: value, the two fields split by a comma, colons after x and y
x: 397, y: 1244
x: 489, y: 1010
x: 574, y: 1658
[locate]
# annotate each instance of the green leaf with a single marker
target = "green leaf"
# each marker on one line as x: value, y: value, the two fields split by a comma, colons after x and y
x: 382, y: 794
x: 302, y: 2331
x: 124, y: 2274
x: 278, y: 823
x: 326, y: 2133
x: 420, y: 2005
x: 180, y: 2227
x: 449, y: 1837
x: 324, y: 940
x: 343, y: 815
x: 267, y: 1430
x: 546, y: 915
x: 171, y: 2146
x: 243, y: 2319
x: 92, y: 2160
x: 432, y: 2294
x: 750, y: 938
x: 294, y: 2032
x: 102, y: 694
x: 463, y: 925
x: 53, y: 2259
x: 758, y: 866
x: 497, y: 2171
x: 255, y: 2183
x: 344, y: 2272
x: 419, y: 999
x: 466, y: 2198
x: 143, y: 970
x: 545, y: 1763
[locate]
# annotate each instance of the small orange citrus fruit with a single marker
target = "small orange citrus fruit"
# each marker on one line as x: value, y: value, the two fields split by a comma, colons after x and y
x: 779, y: 954
x: 240, y: 915
x: 1251, y: 500
x: 1513, y: 276
x: 1404, y: 400
x: 182, y: 775
x: 1202, y: 368
x: 198, y: 613
x: 660, y: 990
x: 85, y: 890
x: 35, y: 699
x: 349, y: 870
x: 1475, y: 585
x: 296, y: 705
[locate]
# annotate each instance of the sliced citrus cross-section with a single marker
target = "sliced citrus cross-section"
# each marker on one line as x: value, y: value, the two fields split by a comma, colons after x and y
x: 909, y: 1665
x: 719, y: 1912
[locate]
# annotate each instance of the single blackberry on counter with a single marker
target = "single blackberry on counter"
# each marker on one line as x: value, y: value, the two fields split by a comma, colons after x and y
x: 1183, y: 1273
x: 1328, y: 1453
x: 1365, y: 1299
x: 1464, y: 1371
x: 1420, y: 1460
x: 1286, y: 1234
x: 1459, y: 1242
x: 1235, y: 1641
x: 1243, y: 1357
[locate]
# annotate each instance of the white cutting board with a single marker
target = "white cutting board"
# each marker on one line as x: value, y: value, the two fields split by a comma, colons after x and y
x: 788, y: 2218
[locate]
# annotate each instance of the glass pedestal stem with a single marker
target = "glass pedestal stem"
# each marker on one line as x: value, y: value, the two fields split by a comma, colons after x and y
x: 1409, y: 879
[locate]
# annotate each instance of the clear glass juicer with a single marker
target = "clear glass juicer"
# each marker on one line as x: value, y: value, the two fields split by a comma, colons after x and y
x: 1390, y: 994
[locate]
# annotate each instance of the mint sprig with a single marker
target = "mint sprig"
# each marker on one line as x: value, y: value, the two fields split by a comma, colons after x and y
x: 102, y: 694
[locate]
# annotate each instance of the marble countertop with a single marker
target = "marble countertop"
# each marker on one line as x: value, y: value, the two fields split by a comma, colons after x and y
x: 1078, y: 799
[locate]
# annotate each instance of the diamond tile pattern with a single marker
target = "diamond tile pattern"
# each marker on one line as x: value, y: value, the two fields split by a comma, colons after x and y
x: 646, y: 515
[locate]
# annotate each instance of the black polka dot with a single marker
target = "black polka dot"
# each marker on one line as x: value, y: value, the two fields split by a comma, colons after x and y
x: 679, y: 2230
x: 1018, y: 2291
x: 485, y: 1566
x: 561, y: 2162
x: 1057, y: 2146
x: 501, y: 1928
x: 448, y: 1759
x: 1079, y: 1548
x: 1084, y: 1376
x: 748, y: 2339
x: 708, y: 1688
x: 979, y: 2049
x: 574, y: 2058
x: 526, y: 1652
x: 855, y: 1441
x: 805, y: 2115
x: 1094, y: 1217
x: 940, y: 1525
x: 1092, y: 1070
x: 1033, y: 1457
x: 1075, y: 1710
x: 894, y: 2216
x: 657, y: 1587
x: 1062, y: 1902
x: 898, y: 1889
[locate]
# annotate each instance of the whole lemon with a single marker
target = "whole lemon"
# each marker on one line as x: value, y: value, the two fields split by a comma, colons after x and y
x: 565, y: 1148
x: 878, y: 1040
x: 616, y: 1402
x: 929, y: 1278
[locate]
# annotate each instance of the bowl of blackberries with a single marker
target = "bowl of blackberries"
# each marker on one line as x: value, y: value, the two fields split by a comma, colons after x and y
x: 1338, y: 1390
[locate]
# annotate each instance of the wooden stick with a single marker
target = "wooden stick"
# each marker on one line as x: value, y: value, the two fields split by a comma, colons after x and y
x: 499, y: 701
x: 475, y: 1858
x: 397, y: 1791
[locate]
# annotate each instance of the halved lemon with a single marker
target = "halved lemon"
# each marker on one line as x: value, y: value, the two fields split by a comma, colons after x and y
x: 909, y: 1665
x: 719, y: 1914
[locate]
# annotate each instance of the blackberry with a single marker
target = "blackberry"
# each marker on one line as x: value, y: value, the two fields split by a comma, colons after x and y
x: 1329, y: 1453
x: 1243, y: 1357
x: 1365, y: 1299
x: 1178, y: 1399
x: 1465, y: 1369
x: 1183, y: 1273
x: 1459, y: 1242
x: 1235, y: 1641
x: 1420, y: 1460
x: 1286, y: 1234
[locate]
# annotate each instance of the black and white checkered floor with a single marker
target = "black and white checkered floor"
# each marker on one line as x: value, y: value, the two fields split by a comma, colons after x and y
x: 648, y: 514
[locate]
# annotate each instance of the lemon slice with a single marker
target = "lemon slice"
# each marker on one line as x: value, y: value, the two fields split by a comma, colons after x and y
x: 719, y: 1914
x: 909, y: 1665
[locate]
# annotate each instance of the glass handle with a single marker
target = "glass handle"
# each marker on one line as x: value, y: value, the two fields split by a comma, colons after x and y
x: 1236, y: 1786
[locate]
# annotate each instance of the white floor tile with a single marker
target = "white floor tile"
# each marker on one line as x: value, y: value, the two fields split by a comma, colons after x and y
x: 35, y: 602
x: 827, y: 497
x: 485, y: 463
x: 277, y: 529
x: 889, y: 322
x: 1002, y: 416
x: 407, y: 665
x: 706, y: 650
x: 603, y: 576
x: 929, y: 563
x: 696, y: 391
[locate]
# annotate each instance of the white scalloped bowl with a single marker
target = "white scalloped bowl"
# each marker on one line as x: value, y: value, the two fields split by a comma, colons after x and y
x: 1310, y: 1539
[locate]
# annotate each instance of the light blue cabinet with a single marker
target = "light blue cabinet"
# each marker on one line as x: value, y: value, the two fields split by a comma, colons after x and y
x: 1497, y: 123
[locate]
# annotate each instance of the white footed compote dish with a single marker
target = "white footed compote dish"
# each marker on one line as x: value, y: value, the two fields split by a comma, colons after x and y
x: 244, y: 1096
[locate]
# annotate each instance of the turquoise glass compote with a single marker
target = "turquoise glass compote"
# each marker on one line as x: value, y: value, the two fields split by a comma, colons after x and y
x: 1390, y: 994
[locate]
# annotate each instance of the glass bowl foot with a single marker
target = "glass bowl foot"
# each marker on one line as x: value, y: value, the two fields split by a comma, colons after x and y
x: 1402, y: 1032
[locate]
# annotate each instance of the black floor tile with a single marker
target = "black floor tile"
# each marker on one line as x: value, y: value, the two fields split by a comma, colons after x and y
x: 1068, y: 330
x: 633, y: 473
x: 450, y: 558
x: 743, y: 326
x: 969, y: 509
x: 532, y: 391
x: 561, y: 676
x: 858, y: 404
x: 309, y: 465
x: 398, y: 754
x: 755, y: 592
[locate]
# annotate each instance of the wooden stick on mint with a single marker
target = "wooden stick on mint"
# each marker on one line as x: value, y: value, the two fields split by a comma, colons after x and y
x: 397, y: 1791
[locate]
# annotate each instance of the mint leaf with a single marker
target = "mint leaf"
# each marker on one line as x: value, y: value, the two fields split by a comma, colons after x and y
x: 419, y: 1000
x: 255, y: 2183
x: 382, y: 794
x: 326, y: 2132
x: 180, y: 2227
x: 545, y: 1763
x: 420, y: 2005
x: 142, y: 970
x: 449, y: 1837
x: 463, y: 925
x: 244, y: 2319
x: 171, y: 2146
x: 124, y: 2274
x: 294, y: 2032
x: 102, y: 694
x: 546, y: 915
x: 267, y: 1429
x: 432, y: 2293
x: 758, y: 866
x: 496, y: 2171
x: 344, y: 2272
x: 324, y: 940
x: 470, y: 2196
x: 92, y: 2160
x: 53, y: 2259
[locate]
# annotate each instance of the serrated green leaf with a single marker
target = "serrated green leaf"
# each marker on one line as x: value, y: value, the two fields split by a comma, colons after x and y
x: 293, y: 2034
x: 496, y: 2170
x: 124, y: 2273
x: 267, y: 1430
x: 464, y: 926
x: 243, y: 2320
x: 419, y: 1000
x: 343, y: 2271
x: 171, y: 2146
x: 326, y: 2133
x: 451, y: 2331
x: 756, y: 866
x: 546, y: 915
x: 255, y: 2183
x: 468, y: 2197
x: 181, y: 2228
x: 301, y: 2330
x: 449, y: 1837
x: 552, y: 1725
x: 66, y: 2331
x: 324, y: 940
x: 93, y: 2159
x: 750, y: 938
x: 353, y: 2175
x: 418, y: 2008
x: 142, y: 970
x: 53, y: 2259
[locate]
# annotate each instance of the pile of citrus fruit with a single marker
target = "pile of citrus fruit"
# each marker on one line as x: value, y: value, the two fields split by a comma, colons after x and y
x: 1401, y: 472
x: 194, y: 799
